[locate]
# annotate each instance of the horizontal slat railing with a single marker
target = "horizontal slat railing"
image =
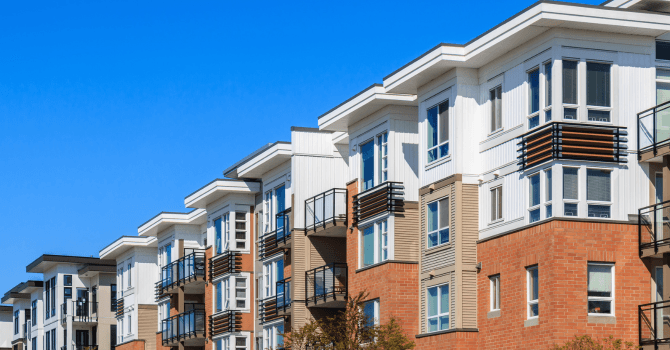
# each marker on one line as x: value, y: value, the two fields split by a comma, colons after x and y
x: 386, y: 197
x: 229, y: 262
x: 224, y: 322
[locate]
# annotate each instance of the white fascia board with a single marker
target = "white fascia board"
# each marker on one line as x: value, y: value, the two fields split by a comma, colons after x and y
x: 272, y: 157
x: 164, y: 220
x: 124, y: 243
x: 365, y: 103
x: 219, y: 188
x: 519, y: 29
x: 621, y: 3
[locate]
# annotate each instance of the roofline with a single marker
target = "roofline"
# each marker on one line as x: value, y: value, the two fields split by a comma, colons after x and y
x: 307, y: 129
x: 252, y: 155
x: 161, y: 213
x: 353, y: 97
x: 71, y: 259
x: 97, y: 268
x: 14, y: 295
x: 6, y: 308
x: 146, y: 238
x: 224, y: 179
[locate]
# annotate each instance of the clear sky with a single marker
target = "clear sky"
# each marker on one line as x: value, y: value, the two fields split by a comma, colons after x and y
x: 111, y: 112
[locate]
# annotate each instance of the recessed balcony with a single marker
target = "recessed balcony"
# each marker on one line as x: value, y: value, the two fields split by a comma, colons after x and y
x: 327, y: 286
x: 654, y: 325
x: 188, y: 271
x: 187, y: 327
x: 654, y: 230
x: 326, y: 214
x: 653, y: 133
x: 80, y: 311
x: 386, y: 197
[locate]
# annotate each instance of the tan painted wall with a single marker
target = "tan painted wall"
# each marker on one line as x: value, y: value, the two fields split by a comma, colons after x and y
x: 407, y: 230
x: 147, y: 324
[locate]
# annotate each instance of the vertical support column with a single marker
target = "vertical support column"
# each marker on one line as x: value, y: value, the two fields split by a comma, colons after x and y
x: 69, y: 311
x: 180, y: 304
x: 458, y: 270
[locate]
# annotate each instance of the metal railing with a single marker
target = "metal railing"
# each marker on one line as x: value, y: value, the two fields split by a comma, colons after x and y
x: 181, y: 271
x: 283, y: 225
x: 653, y: 128
x: 229, y: 262
x: 85, y: 347
x: 388, y: 196
x: 654, y: 323
x: 267, y: 309
x: 284, y: 294
x: 187, y: 324
x: 80, y: 311
x: 325, y: 282
x: 325, y: 207
x: 269, y: 243
x: 654, y: 226
x: 224, y: 322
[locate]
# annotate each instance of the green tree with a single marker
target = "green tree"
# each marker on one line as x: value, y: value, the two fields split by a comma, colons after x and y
x: 349, y: 330
x: 585, y: 342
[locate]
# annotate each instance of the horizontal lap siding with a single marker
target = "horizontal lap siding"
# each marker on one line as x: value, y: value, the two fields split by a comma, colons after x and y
x: 445, y: 257
x: 326, y: 250
x: 407, y: 231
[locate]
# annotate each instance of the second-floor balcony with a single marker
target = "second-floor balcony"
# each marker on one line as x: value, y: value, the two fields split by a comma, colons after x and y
x: 654, y: 230
x: 187, y: 327
x: 327, y: 286
x: 386, y: 197
x: 653, y: 132
x: 326, y: 214
x: 80, y: 311
x: 188, y: 271
x: 654, y: 325
x: 276, y: 241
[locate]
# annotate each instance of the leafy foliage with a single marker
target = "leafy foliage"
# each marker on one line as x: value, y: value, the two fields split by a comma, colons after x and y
x: 585, y: 342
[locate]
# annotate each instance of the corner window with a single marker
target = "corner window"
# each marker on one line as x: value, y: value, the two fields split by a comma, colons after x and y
x: 533, y: 292
x: 382, y: 150
x: 217, y: 236
x: 496, y: 203
x: 570, y: 191
x: 374, y: 243
x: 600, y: 288
x: 533, y: 98
x: 534, y: 200
x: 240, y: 292
x: 267, y: 212
x: 570, y: 90
x: 548, y: 195
x: 272, y: 336
x: 368, y: 165
x: 438, y: 308
x: 374, y: 161
x: 438, y: 222
x: 438, y: 131
x: 495, y: 97
x: 547, y: 91
x: 598, y: 86
x: 494, y: 286
x: 663, y: 50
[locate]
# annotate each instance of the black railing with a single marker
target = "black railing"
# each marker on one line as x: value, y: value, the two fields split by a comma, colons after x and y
x: 224, y: 322
x: 324, y: 282
x: 271, y: 243
x: 653, y: 128
x: 267, y: 309
x: 283, y: 225
x: 325, y: 207
x: 229, y: 262
x: 654, y: 323
x: 284, y: 294
x: 572, y: 141
x: 182, y: 271
x: 80, y: 311
x: 185, y: 325
x: 654, y: 226
x: 120, y: 307
x: 386, y: 197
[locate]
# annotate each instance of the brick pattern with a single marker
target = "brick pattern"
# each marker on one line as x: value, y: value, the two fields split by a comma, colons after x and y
x: 561, y: 249
x: 456, y: 340
x: 132, y: 345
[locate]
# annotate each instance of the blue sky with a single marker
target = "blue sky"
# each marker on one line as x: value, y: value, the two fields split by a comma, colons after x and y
x: 111, y: 112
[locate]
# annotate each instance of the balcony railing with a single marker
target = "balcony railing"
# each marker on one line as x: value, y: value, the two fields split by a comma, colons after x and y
x: 85, y: 347
x: 654, y: 323
x: 324, y: 208
x: 653, y: 129
x: 80, y: 310
x: 386, y: 197
x: 572, y: 141
x: 267, y: 309
x: 189, y: 324
x: 326, y: 283
x: 119, y: 307
x: 284, y: 294
x: 224, y: 322
x: 230, y: 262
x: 654, y: 228
x: 182, y: 271
x: 272, y: 242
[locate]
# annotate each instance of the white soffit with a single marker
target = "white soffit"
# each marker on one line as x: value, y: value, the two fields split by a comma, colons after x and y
x: 362, y: 105
x: 124, y: 243
x: 519, y: 29
x: 218, y: 188
x: 274, y: 156
x: 164, y: 220
x: 643, y: 5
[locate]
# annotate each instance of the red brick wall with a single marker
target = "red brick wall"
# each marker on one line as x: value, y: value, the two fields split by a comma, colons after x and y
x: 159, y: 342
x: 132, y: 345
x: 456, y: 340
x: 561, y: 249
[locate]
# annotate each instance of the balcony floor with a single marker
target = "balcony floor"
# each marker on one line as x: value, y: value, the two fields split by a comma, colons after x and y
x: 336, y: 228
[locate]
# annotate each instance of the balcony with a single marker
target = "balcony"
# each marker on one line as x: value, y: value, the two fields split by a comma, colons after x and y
x: 653, y: 132
x: 654, y: 230
x: 326, y: 214
x: 387, y: 197
x: 81, y: 311
x: 230, y: 262
x: 267, y: 310
x: 119, y: 307
x: 85, y: 347
x: 188, y: 271
x: 572, y: 141
x: 326, y: 286
x: 276, y: 241
x: 654, y: 324
x: 224, y: 322
x: 284, y: 296
x: 187, y: 327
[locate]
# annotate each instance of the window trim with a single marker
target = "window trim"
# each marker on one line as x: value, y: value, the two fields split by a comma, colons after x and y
x: 376, y: 239
x: 492, y: 116
x: 500, y: 217
x: 438, y: 315
x: 537, y: 206
x: 609, y: 203
x: 579, y: 192
x: 494, y: 292
x: 609, y: 109
x: 437, y: 231
x: 530, y: 302
x: 438, y: 145
x: 377, y: 147
x: 547, y: 66
x: 529, y: 113
x: 612, y: 298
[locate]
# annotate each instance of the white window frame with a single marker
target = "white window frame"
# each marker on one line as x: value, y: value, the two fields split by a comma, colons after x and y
x: 382, y: 149
x: 439, y: 306
x: 226, y: 286
x: 579, y: 191
x: 448, y: 227
x: 548, y: 192
x: 529, y: 292
x: 270, y: 334
x: 538, y: 206
x: 120, y: 283
x: 378, y: 234
x: 270, y: 277
x: 267, y: 212
x: 227, y: 341
x: 234, y: 290
x: 603, y: 203
x: 129, y: 280
x: 494, y: 289
x: 499, y: 209
x: 547, y: 67
x: 574, y: 106
x: 530, y: 114
x: 376, y: 310
x: 130, y: 325
x: 610, y: 299
x: 377, y: 159
x: 438, y: 128
x: 599, y: 108
x: 245, y: 240
x: 492, y: 109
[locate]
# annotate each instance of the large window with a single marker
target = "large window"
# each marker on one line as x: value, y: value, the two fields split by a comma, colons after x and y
x: 598, y: 193
x: 34, y: 312
x: 438, y: 131
x: 570, y: 90
x: 495, y: 97
x: 533, y: 292
x: 534, y: 200
x: 438, y: 222
x: 496, y: 203
x: 547, y: 91
x: 368, y: 165
x: 371, y: 312
x: 601, y: 288
x: 374, y: 161
x: 494, y: 287
x: 273, y: 272
x: 570, y: 191
x: 438, y: 308
x: 272, y: 336
x: 598, y: 88
x: 47, y: 299
x: 375, y: 243
x: 112, y: 296
x: 663, y: 50
x: 533, y: 98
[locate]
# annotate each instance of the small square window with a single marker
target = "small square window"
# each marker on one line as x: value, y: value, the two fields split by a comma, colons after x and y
x: 570, y: 209
x: 570, y: 113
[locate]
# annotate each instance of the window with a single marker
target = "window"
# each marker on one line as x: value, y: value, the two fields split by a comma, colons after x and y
x: 272, y: 336
x: 438, y: 131
x: 273, y: 272
x: 495, y: 95
x: 67, y: 293
x: 438, y: 308
x: 241, y: 292
x: 533, y: 98
x: 533, y: 292
x: 367, y: 165
x: 548, y: 195
x: 534, y: 200
x: 53, y: 297
x: 240, y: 343
x: 382, y: 145
x: 121, y: 330
x: 217, y: 236
x: 34, y: 312
x: 570, y: 190
x: 600, y: 288
x: 374, y: 243
x: 130, y: 279
x: 496, y: 203
x: 34, y: 343
x: 267, y: 212
x: 16, y: 321
x: 47, y: 340
x: 495, y: 292
x: 53, y: 339
x: 47, y: 299
x: 598, y: 189
x: 67, y: 280
x: 438, y: 222
x: 371, y: 312
x: 241, y: 230
x: 222, y: 293
x: 598, y: 91
x: 130, y: 324
x: 663, y: 50
x: 570, y: 84
x: 120, y: 278
x: 112, y: 296
x: 547, y: 91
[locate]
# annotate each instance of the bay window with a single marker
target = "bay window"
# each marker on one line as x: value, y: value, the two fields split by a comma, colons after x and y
x: 438, y: 131
x: 374, y: 243
x: 382, y: 151
x: 438, y: 308
x: 570, y: 191
x: 231, y: 293
x: 598, y: 86
x: 533, y: 98
x: 273, y: 337
x: 533, y: 292
x: 273, y: 272
x: 600, y: 288
x: 547, y: 91
x: 438, y: 222
x: 570, y: 90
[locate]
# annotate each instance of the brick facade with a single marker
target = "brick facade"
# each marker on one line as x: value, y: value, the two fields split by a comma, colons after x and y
x: 132, y: 345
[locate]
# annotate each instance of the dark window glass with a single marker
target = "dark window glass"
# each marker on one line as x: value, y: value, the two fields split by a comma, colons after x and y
x: 662, y: 50
x: 67, y: 280
x: 598, y: 84
x: 570, y: 82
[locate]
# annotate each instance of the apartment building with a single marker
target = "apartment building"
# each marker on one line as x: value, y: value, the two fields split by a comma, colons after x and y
x: 6, y: 326
x: 24, y: 330
x: 135, y: 305
x: 180, y: 290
